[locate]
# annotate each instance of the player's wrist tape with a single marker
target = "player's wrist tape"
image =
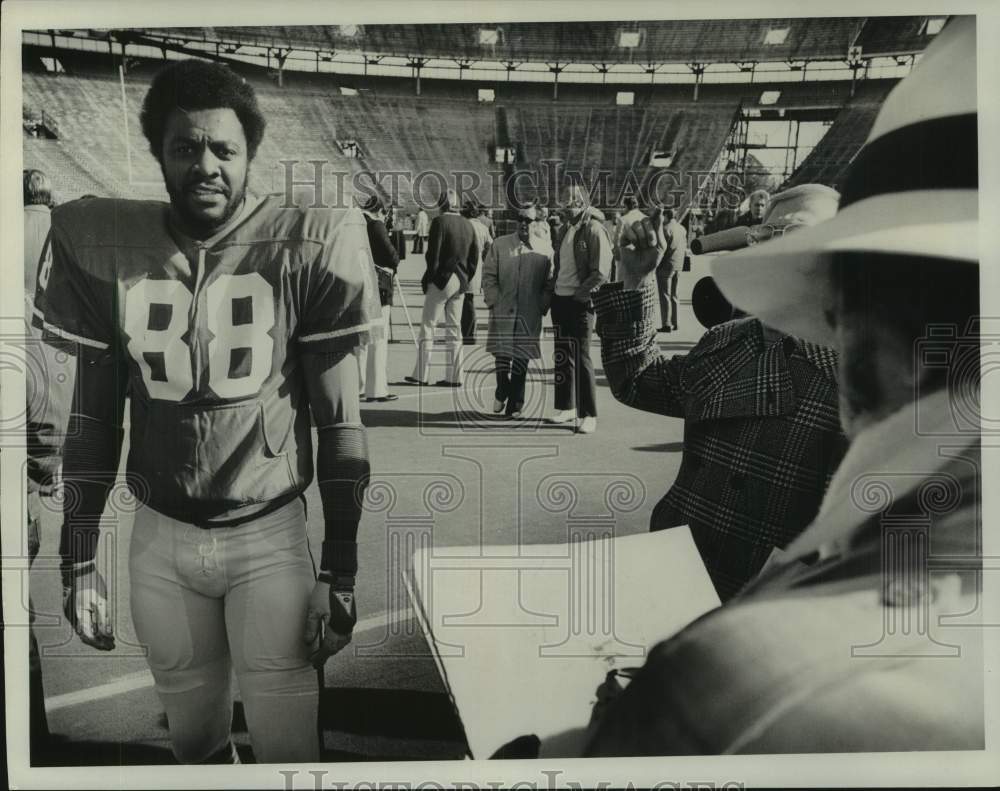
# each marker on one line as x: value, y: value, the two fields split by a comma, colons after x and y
x: 73, y: 571
x: 78, y: 542
x: 339, y: 582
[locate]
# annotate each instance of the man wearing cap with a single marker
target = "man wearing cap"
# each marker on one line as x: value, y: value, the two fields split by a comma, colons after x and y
x: 517, y: 285
x: 868, y: 636
x: 582, y: 263
x: 761, y: 433
x: 452, y: 259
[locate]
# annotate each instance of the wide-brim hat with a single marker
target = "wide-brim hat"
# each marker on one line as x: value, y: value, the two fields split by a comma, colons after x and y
x: 912, y: 189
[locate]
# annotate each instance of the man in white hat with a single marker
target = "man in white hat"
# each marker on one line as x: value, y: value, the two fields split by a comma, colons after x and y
x: 866, y: 638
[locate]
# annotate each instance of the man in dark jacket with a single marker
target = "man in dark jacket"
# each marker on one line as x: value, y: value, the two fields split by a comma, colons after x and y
x: 452, y: 259
x: 583, y: 258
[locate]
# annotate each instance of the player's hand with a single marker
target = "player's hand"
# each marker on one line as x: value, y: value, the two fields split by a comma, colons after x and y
x: 85, y: 603
x: 330, y: 617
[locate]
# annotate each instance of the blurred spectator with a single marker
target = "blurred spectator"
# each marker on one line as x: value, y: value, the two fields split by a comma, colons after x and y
x: 810, y: 658
x: 540, y: 228
x: 473, y: 211
x: 669, y: 269
x: 452, y: 254
x: 582, y: 263
x: 555, y: 224
x: 517, y: 284
x: 374, y: 358
x: 761, y: 435
x: 421, y: 227
x: 613, y: 225
x: 488, y: 221
x: 757, y: 204
x: 49, y: 391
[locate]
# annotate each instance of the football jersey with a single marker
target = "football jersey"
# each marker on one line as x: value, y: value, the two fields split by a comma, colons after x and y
x: 212, y: 333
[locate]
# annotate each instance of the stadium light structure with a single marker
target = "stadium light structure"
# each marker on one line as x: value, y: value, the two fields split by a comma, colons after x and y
x: 489, y: 37
x: 776, y: 35
x: 932, y: 25
x: 769, y: 97
x: 629, y: 39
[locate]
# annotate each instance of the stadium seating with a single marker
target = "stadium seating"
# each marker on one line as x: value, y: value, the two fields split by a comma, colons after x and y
x: 826, y: 163
x: 676, y: 41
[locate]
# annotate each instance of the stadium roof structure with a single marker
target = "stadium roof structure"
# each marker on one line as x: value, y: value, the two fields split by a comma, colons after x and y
x: 607, y: 42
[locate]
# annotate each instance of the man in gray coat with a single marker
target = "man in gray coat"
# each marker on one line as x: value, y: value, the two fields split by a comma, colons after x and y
x: 518, y: 279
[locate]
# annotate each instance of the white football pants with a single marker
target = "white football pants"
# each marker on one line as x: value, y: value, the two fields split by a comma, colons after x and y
x: 207, y: 601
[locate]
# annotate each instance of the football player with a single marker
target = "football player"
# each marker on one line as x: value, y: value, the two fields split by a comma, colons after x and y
x: 228, y: 317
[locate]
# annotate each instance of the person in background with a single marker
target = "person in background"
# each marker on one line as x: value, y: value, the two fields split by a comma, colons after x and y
x: 761, y: 434
x: 669, y: 269
x: 48, y: 390
x: 473, y: 211
x: 540, y: 228
x: 613, y: 225
x: 373, y: 358
x: 452, y: 257
x: 582, y: 263
x: 757, y: 204
x: 517, y: 285
x: 420, y: 228
x: 488, y: 221
x: 555, y: 224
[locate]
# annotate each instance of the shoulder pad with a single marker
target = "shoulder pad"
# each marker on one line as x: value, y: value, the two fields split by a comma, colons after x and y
x: 105, y: 222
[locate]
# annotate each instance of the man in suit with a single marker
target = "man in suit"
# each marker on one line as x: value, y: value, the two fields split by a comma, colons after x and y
x: 452, y: 259
x: 675, y: 238
x: 517, y: 286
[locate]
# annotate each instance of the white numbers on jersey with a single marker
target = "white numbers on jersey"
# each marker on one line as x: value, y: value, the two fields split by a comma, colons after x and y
x: 227, y: 336
x: 173, y: 380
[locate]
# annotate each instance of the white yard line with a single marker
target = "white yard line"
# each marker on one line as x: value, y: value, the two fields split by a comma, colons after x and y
x: 142, y: 679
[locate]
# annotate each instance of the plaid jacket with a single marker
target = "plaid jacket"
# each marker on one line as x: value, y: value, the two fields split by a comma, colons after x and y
x: 761, y: 429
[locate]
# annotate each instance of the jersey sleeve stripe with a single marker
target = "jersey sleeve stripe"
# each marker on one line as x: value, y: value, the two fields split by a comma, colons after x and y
x: 325, y: 336
x: 66, y: 335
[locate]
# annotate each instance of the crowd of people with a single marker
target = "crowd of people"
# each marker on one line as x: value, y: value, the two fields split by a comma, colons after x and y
x: 804, y: 383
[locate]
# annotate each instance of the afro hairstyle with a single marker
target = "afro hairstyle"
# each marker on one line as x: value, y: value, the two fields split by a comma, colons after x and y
x: 199, y: 85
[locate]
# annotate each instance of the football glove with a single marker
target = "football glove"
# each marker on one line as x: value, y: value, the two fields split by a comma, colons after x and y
x: 85, y: 603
